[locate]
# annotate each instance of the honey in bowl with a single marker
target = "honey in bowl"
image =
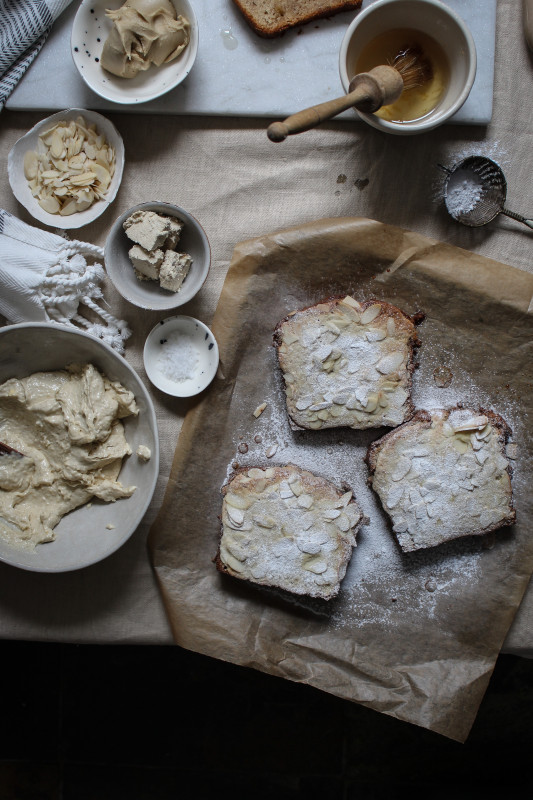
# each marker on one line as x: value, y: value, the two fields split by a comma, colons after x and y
x: 414, y: 103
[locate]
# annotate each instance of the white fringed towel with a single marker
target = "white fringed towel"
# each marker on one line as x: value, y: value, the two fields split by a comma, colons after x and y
x: 45, y: 278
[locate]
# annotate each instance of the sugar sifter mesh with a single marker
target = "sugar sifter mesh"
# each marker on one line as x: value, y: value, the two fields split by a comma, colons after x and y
x: 475, y: 191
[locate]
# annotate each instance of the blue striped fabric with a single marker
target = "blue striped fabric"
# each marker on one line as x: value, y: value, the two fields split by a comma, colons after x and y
x: 24, y: 27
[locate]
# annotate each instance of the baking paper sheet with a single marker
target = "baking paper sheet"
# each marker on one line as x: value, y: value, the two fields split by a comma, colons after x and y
x: 413, y: 635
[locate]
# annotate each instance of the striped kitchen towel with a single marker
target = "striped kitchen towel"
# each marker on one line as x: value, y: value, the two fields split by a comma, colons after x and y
x: 24, y: 28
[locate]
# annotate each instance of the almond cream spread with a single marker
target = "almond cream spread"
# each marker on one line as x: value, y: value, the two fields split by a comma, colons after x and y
x: 65, y: 428
x: 144, y: 32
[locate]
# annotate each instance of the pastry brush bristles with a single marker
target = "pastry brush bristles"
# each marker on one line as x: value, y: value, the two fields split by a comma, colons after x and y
x: 414, y: 67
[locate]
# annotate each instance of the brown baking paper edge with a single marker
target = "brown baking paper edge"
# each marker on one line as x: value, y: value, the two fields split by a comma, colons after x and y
x: 414, y: 636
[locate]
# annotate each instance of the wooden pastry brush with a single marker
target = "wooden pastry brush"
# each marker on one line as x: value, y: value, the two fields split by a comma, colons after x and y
x: 368, y: 92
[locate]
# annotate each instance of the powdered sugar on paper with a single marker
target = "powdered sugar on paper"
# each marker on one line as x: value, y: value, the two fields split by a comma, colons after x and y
x: 381, y: 582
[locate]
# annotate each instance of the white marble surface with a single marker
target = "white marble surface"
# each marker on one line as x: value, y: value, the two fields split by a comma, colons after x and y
x: 239, y: 74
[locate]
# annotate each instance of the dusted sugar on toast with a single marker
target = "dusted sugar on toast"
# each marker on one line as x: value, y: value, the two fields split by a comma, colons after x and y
x: 347, y: 364
x: 444, y: 475
x: 288, y: 528
x: 271, y: 18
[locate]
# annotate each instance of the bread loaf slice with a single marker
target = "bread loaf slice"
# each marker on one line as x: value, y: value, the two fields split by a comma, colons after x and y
x: 347, y: 364
x: 285, y: 527
x: 444, y: 475
x: 271, y: 18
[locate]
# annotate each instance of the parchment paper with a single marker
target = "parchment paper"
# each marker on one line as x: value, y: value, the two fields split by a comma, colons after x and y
x: 415, y: 635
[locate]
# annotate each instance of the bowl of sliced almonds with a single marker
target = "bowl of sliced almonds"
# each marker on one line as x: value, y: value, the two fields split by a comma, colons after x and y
x: 67, y: 169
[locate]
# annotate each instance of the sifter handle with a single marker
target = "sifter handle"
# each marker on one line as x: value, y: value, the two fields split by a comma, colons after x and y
x: 518, y: 217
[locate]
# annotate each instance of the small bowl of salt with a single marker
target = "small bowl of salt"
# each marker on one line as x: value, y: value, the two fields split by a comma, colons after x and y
x: 181, y: 356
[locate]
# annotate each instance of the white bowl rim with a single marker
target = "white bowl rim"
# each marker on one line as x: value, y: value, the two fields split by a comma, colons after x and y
x: 81, y: 218
x: 152, y: 334
x: 155, y: 457
x: 193, y: 43
x: 172, y: 207
x: 427, y: 123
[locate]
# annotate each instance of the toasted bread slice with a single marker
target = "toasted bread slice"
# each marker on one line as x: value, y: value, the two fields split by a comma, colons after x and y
x: 444, y: 475
x: 285, y: 527
x: 271, y: 18
x: 347, y: 364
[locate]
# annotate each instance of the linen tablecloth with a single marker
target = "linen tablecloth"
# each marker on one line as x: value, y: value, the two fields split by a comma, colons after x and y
x: 239, y: 185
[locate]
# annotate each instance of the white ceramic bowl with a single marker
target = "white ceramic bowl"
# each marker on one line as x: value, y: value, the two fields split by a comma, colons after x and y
x: 187, y: 341
x: 90, y: 30
x: 436, y: 20
x: 148, y: 294
x: 82, y: 536
x: 30, y: 140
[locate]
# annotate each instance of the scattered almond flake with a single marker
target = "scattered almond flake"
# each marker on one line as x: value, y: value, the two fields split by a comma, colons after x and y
x: 55, y: 182
x: 271, y: 451
x: 259, y: 410
x: 110, y: 526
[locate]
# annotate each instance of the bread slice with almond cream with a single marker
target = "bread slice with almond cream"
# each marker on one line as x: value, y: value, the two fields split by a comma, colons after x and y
x: 285, y: 527
x: 444, y: 475
x: 347, y: 364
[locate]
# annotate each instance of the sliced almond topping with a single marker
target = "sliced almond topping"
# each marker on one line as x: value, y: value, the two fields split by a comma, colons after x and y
x: 350, y: 301
x: 236, y: 501
x: 344, y: 499
x: 478, y: 422
x: 235, y: 515
x: 390, y: 362
x: 370, y: 313
x: 317, y: 565
x: 305, y: 501
x: 289, y: 337
x: 259, y: 410
x: 375, y: 335
x: 231, y: 561
x: 343, y: 523
x: 401, y: 469
x: 264, y: 522
x: 256, y: 472
x: 303, y: 403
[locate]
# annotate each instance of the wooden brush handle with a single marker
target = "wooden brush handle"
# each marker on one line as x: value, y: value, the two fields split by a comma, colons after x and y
x: 368, y: 92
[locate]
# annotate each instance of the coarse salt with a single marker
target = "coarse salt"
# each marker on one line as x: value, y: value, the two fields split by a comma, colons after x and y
x: 179, y: 357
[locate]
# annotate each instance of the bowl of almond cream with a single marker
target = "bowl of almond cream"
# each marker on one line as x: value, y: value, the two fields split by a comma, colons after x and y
x: 79, y: 448
x: 132, y: 51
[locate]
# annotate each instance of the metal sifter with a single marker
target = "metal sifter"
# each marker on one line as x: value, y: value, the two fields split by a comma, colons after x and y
x: 475, y: 191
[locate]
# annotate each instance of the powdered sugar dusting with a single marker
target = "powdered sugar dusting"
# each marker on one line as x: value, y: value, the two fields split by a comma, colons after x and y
x: 382, y: 584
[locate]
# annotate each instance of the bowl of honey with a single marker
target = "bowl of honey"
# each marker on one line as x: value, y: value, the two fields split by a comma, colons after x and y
x: 385, y: 30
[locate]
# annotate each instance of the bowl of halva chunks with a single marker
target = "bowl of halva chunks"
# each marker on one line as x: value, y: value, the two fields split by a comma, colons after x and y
x: 157, y: 256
